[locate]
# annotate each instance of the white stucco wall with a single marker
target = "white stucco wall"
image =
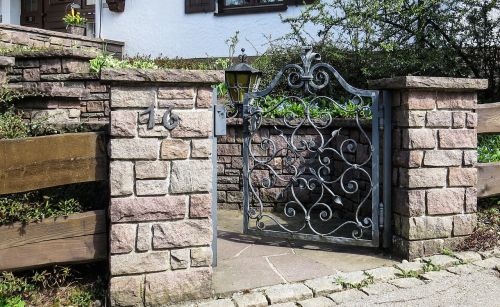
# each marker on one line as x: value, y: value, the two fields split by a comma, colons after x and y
x: 161, y: 27
x: 11, y: 11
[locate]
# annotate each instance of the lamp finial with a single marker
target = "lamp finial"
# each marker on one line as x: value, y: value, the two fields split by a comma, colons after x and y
x: 243, y: 56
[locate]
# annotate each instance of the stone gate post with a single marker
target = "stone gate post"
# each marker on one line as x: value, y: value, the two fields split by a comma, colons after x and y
x: 434, y: 196
x: 160, y: 182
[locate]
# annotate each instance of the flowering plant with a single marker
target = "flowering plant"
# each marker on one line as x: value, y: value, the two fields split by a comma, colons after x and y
x: 74, y: 19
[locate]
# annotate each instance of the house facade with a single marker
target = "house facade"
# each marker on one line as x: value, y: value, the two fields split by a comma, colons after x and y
x: 173, y: 28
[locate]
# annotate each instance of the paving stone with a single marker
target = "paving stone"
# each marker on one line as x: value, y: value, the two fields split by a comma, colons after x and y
x: 346, y: 296
x: 284, y: 305
x: 351, y: 278
x: 411, y: 266
x: 379, y: 288
x: 253, y: 299
x: 405, y: 283
x: 442, y: 261
x: 489, y: 263
x: 490, y: 253
x: 467, y: 256
x: 383, y: 273
x: 288, y: 292
x: 317, y: 302
x: 436, y: 275
x: 218, y: 303
x: 463, y: 269
x: 323, y: 285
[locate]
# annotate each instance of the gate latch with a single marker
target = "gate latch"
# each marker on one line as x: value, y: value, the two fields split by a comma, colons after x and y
x: 220, y: 120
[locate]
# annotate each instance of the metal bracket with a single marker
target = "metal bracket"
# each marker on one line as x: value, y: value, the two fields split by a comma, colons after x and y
x: 381, y: 215
x: 220, y: 120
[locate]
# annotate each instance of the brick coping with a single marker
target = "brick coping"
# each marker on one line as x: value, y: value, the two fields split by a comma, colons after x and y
x: 54, y: 52
x: 416, y: 272
x: 59, y: 34
x: 418, y: 82
x: 178, y: 77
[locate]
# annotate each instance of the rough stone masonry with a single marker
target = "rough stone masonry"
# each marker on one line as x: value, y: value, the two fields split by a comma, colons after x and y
x: 160, y: 182
x: 434, y: 176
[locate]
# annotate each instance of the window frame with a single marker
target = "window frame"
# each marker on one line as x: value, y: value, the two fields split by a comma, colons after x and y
x: 254, y: 7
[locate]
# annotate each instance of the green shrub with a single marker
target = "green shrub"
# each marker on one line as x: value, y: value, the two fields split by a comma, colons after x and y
x: 488, y: 148
x: 51, y: 202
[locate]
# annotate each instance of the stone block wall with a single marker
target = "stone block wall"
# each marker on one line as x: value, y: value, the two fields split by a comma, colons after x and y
x: 434, y: 196
x: 161, y: 185
x: 20, y: 36
x: 60, y: 87
x: 230, y: 162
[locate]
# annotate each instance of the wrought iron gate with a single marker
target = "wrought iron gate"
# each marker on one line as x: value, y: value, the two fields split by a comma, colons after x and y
x: 319, y: 174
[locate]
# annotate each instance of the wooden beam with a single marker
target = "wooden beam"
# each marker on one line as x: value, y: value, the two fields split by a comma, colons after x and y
x: 488, y: 179
x: 48, y: 161
x: 77, y: 238
x: 488, y: 115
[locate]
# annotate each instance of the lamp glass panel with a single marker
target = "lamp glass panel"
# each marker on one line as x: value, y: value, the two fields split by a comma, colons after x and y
x: 243, y: 84
x: 231, y: 86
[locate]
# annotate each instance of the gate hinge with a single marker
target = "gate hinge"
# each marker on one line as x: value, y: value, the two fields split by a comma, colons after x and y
x: 381, y: 215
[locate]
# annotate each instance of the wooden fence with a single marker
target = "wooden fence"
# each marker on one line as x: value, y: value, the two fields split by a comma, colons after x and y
x: 489, y: 173
x: 49, y: 161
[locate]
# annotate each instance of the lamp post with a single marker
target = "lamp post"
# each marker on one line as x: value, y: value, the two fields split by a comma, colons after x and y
x: 241, y: 79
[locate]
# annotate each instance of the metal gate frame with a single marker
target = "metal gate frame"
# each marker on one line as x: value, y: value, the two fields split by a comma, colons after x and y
x: 306, y: 77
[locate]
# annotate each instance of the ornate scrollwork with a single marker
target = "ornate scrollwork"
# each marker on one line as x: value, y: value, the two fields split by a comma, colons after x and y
x: 319, y: 175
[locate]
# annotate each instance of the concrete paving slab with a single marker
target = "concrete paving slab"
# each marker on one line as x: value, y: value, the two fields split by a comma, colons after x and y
x: 260, y: 249
x: 297, y: 268
x: 240, y: 274
x: 229, y: 249
x: 343, y: 258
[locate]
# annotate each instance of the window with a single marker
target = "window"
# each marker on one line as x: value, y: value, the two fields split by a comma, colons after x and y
x: 227, y: 7
x: 250, y: 6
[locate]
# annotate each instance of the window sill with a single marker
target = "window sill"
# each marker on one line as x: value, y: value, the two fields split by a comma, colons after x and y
x: 252, y: 10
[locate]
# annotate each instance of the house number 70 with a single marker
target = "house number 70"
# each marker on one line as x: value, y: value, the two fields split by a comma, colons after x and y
x: 169, y: 120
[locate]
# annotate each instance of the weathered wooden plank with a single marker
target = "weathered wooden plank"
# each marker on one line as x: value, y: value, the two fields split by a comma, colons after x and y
x: 75, y: 225
x: 488, y: 179
x: 70, y: 250
x: 47, y: 161
x: 488, y: 115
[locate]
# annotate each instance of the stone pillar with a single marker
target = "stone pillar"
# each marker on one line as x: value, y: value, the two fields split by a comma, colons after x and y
x: 434, y: 198
x: 160, y: 182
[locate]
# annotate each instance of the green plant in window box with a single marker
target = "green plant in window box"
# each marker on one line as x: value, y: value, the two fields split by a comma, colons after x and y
x: 75, y: 24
